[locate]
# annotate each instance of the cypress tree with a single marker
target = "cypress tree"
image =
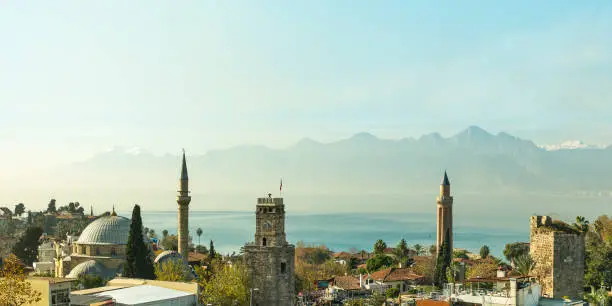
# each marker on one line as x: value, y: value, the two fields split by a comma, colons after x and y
x: 139, y: 263
x: 211, y: 250
x: 443, y: 261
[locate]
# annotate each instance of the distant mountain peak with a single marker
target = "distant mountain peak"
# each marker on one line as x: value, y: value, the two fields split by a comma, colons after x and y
x: 364, y: 135
x: 126, y: 150
x: 571, y: 145
x: 475, y: 131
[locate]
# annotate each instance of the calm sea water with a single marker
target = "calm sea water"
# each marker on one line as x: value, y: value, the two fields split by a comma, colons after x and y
x: 338, y: 231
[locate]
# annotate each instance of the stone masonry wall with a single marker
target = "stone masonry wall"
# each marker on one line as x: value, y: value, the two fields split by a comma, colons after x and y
x: 275, y: 286
x: 559, y: 259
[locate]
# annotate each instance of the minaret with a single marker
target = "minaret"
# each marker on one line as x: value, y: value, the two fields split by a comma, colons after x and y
x: 183, y: 199
x: 444, y: 214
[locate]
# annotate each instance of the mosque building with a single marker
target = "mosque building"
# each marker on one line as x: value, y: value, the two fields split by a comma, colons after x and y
x: 100, y: 249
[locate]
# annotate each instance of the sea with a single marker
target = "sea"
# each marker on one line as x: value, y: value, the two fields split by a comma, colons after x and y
x: 229, y: 230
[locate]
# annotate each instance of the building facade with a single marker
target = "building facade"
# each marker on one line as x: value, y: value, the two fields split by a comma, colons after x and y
x: 100, y: 249
x: 558, y: 252
x: 183, y: 199
x: 270, y: 259
x: 444, y: 215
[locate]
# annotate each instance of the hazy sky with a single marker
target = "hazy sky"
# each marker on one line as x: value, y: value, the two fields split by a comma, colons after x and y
x: 77, y: 77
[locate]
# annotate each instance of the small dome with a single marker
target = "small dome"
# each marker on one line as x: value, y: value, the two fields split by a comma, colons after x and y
x: 167, y: 255
x: 90, y: 267
x: 106, y: 230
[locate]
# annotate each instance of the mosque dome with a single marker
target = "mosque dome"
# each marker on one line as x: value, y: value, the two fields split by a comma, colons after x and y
x: 106, y: 231
x: 90, y: 267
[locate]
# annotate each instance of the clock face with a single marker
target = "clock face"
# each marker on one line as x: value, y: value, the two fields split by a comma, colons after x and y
x: 267, y: 225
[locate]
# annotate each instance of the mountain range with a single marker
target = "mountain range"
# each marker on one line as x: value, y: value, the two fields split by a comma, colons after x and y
x: 477, y: 162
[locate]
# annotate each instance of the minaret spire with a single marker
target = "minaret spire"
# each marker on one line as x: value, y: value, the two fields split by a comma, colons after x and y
x: 184, y: 175
x: 113, y: 214
x: 183, y: 199
x: 445, y: 180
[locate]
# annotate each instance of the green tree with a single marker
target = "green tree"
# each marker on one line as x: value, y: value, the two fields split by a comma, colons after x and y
x: 227, y: 286
x: 164, y: 234
x: 379, y: 262
x: 14, y: 289
x: 199, y: 233
x: 170, y: 243
x: 598, y: 261
x: 211, y: 250
x: 524, y: 264
x: 402, y: 253
x: 460, y: 254
x: 418, y: 249
x: 379, y: 246
x: 484, y: 251
x: 139, y: 263
x: 432, y: 250
x: 582, y: 224
x: 443, y: 261
x: 172, y: 270
x: 88, y: 281
x: 19, y: 209
x: 26, y: 249
x: 516, y: 249
x: 392, y: 293
x: 51, y: 207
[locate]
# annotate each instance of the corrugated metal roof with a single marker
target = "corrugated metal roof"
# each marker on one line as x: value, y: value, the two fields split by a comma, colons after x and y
x: 144, y: 294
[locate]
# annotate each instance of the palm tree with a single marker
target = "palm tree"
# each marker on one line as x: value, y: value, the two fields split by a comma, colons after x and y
x: 524, y: 264
x: 582, y: 224
x: 199, y: 233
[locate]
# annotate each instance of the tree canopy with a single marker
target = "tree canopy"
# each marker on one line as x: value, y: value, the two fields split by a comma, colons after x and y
x: 51, y: 206
x: 139, y: 262
x: 26, y: 249
x: 379, y: 246
x: 513, y: 250
x: 443, y: 261
x: 14, y: 289
x: 226, y: 286
x: 172, y: 270
x: 484, y: 251
x: 19, y: 209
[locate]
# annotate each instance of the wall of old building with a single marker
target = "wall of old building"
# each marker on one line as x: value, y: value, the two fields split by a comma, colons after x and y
x: 559, y: 259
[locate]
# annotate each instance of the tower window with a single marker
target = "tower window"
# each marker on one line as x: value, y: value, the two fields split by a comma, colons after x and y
x: 264, y: 242
x: 97, y: 251
x: 113, y: 252
x: 283, y: 267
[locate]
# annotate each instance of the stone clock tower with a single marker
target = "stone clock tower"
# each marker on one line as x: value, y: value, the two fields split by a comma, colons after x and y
x: 270, y: 259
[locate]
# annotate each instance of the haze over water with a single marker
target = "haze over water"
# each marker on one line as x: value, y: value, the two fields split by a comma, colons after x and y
x: 478, y: 220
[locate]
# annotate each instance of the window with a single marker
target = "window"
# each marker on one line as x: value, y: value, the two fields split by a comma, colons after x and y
x: 264, y: 242
x: 283, y: 267
x: 83, y: 250
x: 113, y: 252
x: 97, y: 251
x: 60, y: 297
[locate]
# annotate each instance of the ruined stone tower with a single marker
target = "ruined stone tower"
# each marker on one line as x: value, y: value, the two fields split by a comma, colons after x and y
x: 183, y: 199
x: 444, y: 215
x: 270, y: 259
x: 558, y: 252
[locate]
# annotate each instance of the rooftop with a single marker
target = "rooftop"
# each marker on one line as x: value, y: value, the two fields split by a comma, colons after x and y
x: 143, y: 294
x: 395, y: 274
x: 51, y: 280
x: 348, y: 282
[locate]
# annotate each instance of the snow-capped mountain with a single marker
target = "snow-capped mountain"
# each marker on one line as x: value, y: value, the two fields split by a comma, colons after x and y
x: 571, y: 145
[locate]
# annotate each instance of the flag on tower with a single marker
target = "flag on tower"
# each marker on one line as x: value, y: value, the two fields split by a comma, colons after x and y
x: 281, y: 185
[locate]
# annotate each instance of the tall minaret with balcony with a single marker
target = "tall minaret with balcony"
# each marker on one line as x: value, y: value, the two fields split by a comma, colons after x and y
x: 444, y: 215
x: 183, y: 199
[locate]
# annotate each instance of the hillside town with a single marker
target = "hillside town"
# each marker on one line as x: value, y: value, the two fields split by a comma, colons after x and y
x: 69, y: 256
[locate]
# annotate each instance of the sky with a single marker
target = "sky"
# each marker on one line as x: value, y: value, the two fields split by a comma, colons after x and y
x: 77, y: 77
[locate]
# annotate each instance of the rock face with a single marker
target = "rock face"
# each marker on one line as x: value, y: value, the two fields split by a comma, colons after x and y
x: 559, y: 258
x: 270, y: 259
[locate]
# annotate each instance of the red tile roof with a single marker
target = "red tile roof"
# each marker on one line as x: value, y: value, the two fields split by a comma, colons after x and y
x: 348, y: 282
x: 343, y: 255
x: 395, y: 274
